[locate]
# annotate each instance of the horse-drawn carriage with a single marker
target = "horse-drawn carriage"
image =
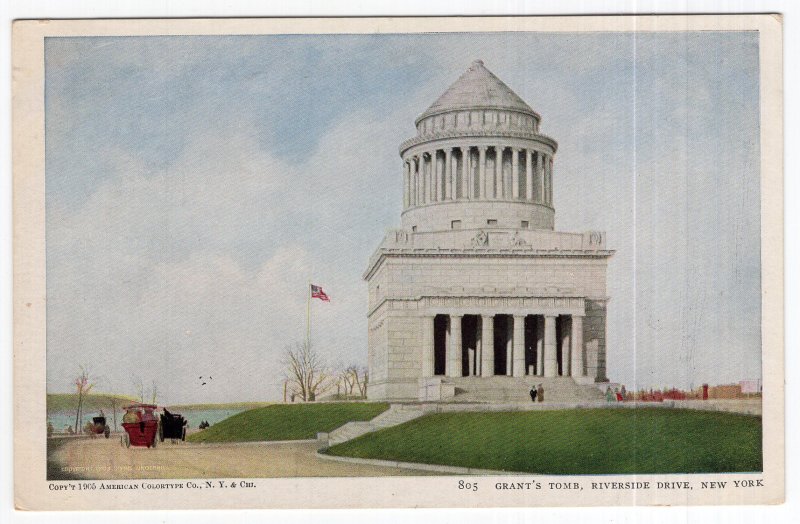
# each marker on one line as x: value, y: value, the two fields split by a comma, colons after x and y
x: 99, y: 426
x: 140, y: 424
x: 173, y: 426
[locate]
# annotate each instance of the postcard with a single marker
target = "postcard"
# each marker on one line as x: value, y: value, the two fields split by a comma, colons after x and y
x: 398, y: 262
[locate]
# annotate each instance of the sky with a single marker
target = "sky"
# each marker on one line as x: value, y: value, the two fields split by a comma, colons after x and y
x: 195, y: 185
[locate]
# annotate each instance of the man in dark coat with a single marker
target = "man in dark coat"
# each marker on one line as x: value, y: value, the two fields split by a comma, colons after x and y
x: 540, y: 393
x: 533, y: 393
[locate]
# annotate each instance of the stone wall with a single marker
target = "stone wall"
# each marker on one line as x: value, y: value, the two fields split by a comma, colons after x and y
x: 594, y: 339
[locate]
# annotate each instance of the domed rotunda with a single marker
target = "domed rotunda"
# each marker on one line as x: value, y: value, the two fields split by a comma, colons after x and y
x: 476, y: 297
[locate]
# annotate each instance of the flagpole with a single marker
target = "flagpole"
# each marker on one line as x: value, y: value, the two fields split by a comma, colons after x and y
x: 308, y: 315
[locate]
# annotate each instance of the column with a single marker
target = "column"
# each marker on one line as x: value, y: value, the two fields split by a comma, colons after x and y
x: 482, y: 173
x: 465, y: 172
x: 434, y: 178
x: 498, y: 170
x: 519, y: 346
x: 540, y: 177
x: 427, y: 327
x: 487, y: 339
x: 529, y: 175
x: 577, y: 346
x: 539, y: 345
x: 550, y: 180
x: 448, y: 172
x: 566, y: 358
x: 478, y: 348
x: 455, y: 348
x: 550, y: 357
x: 515, y: 173
x: 414, y: 195
x: 470, y: 193
x: 428, y: 179
x: 406, y: 184
x: 509, y: 345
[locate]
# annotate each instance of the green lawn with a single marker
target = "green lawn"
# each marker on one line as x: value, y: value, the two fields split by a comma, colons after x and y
x: 68, y: 402
x: 288, y: 421
x: 570, y: 442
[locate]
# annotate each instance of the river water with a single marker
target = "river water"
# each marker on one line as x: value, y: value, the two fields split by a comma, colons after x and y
x: 193, y: 416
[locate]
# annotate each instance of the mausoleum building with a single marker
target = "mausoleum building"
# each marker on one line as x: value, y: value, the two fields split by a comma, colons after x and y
x: 476, y: 292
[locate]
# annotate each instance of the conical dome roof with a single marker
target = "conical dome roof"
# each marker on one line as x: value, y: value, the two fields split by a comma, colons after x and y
x: 478, y: 87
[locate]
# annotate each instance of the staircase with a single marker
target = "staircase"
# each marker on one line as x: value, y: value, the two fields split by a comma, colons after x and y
x: 396, y: 414
x: 503, y: 389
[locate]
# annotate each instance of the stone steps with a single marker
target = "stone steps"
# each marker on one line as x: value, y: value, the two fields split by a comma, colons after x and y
x: 395, y: 415
x: 516, y: 389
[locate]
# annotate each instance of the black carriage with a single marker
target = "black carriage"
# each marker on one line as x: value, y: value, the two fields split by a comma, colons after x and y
x: 173, y: 426
x: 99, y: 426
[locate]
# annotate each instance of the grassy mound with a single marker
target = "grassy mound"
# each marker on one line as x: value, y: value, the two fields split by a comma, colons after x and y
x: 68, y: 402
x: 573, y: 442
x: 288, y: 421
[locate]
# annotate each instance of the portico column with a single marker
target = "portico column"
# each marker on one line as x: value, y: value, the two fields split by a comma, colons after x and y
x: 499, y: 174
x: 434, y: 178
x: 455, y: 348
x: 487, y: 340
x: 448, y: 172
x: 566, y: 353
x: 427, y: 327
x: 470, y: 175
x: 539, y: 345
x: 519, y: 346
x: 577, y: 346
x: 515, y: 173
x: 528, y: 175
x: 429, y: 182
x: 509, y: 345
x: 550, y: 357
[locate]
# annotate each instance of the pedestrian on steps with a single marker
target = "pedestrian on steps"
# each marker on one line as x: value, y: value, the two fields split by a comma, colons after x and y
x: 533, y: 393
x: 540, y: 393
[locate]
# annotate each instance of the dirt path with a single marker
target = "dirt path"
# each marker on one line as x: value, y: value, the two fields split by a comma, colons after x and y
x: 101, y: 458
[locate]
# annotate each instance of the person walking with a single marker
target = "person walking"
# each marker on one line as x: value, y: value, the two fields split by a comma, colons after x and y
x: 532, y: 393
x: 540, y: 393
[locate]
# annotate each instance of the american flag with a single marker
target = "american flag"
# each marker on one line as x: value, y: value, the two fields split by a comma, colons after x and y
x: 317, y: 292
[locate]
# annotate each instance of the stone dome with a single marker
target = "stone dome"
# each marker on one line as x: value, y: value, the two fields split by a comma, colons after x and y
x: 477, y: 88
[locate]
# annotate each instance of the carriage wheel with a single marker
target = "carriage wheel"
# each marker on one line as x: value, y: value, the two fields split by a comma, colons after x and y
x: 161, y: 433
x: 126, y: 439
x: 183, y: 434
x: 155, y: 441
x: 107, y: 431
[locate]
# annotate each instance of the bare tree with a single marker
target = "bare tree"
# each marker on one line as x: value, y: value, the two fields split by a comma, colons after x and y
x: 307, y: 375
x: 361, y: 378
x: 83, y: 388
x: 154, y: 392
x: 138, y: 387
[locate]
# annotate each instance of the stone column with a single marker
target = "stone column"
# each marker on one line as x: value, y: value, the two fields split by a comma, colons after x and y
x: 434, y: 178
x: 509, y: 345
x: 550, y: 180
x: 487, y: 341
x: 470, y: 193
x: 539, y: 345
x: 406, y: 195
x: 577, y: 346
x: 566, y: 358
x: 515, y: 173
x: 448, y: 173
x: 540, y: 177
x: 464, y: 172
x: 529, y: 175
x: 455, y: 348
x: 498, y: 168
x: 478, y: 348
x: 427, y: 327
x: 428, y: 180
x: 550, y: 357
x: 519, y: 346
x: 482, y: 173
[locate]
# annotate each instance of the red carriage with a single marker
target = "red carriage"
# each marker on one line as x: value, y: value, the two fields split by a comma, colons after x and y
x: 141, y: 425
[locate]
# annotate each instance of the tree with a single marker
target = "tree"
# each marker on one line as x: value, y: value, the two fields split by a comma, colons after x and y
x: 154, y: 392
x: 307, y: 375
x: 83, y: 387
x: 138, y: 388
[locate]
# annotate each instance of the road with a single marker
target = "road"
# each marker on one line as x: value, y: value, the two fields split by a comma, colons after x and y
x: 100, y: 458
